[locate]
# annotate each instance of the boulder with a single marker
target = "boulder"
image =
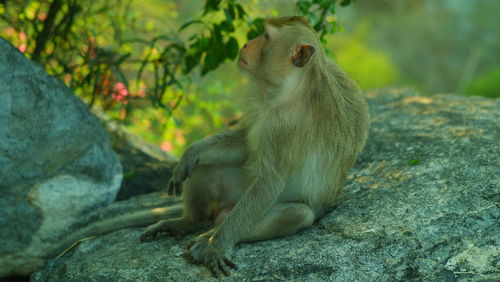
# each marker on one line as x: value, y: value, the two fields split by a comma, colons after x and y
x: 421, y: 204
x: 56, y: 162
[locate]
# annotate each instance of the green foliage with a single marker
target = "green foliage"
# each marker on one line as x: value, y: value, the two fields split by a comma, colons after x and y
x: 256, y: 29
x: 319, y: 13
x: 215, y: 43
x: 70, y: 42
x: 487, y: 85
x: 122, y: 62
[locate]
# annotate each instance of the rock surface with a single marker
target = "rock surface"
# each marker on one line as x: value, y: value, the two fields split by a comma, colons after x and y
x: 56, y: 162
x: 421, y: 204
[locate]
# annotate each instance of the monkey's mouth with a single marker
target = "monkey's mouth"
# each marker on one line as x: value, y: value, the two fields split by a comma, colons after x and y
x: 240, y: 59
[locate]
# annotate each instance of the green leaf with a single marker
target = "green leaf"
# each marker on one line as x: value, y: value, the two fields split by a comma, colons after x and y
x: 210, y: 63
x: 346, y: 2
x: 211, y: 6
x: 304, y: 7
x: 318, y: 26
x: 332, y: 9
x: 252, y: 34
x: 257, y: 28
x: 258, y: 23
x: 179, y: 47
x: 313, y: 19
x: 232, y: 48
x: 229, y: 12
x: 413, y: 162
x: 216, y: 33
x: 323, y: 4
x: 226, y: 26
x: 201, y: 43
x: 129, y: 175
x: 241, y: 11
x: 191, y: 61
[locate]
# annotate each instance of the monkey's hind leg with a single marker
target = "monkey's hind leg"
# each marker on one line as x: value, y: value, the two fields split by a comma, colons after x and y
x: 283, y: 219
x: 198, y: 206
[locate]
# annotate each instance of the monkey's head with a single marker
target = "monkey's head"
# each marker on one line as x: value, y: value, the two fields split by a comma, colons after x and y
x: 287, y: 46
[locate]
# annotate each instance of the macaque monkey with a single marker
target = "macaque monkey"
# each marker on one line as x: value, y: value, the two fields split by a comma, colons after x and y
x: 304, y: 124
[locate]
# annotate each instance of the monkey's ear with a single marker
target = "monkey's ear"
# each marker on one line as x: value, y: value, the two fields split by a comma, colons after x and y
x: 302, y: 54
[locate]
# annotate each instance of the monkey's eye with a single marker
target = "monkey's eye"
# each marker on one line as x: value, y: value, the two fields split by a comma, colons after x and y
x: 266, y: 35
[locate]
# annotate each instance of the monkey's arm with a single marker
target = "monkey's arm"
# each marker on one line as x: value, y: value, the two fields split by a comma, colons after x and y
x: 227, y: 147
x: 224, y: 148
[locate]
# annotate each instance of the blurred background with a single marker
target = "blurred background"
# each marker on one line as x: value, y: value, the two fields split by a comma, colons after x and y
x: 165, y: 69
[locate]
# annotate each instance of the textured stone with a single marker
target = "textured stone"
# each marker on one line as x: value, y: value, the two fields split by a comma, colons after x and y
x: 421, y: 204
x: 56, y: 162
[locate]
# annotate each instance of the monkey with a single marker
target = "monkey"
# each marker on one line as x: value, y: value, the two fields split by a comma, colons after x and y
x: 280, y: 170
x: 303, y: 125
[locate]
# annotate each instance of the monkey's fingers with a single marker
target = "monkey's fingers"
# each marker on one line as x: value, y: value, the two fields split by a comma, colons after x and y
x: 186, y: 169
x: 230, y: 263
x: 216, y: 270
x: 186, y: 172
x: 170, y: 190
x: 147, y: 236
x: 189, y: 244
x: 220, y: 267
x: 194, y: 252
x: 178, y: 190
x: 171, y: 187
x: 174, y: 187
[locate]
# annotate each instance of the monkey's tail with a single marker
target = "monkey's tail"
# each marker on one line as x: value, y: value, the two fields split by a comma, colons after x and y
x: 135, y: 219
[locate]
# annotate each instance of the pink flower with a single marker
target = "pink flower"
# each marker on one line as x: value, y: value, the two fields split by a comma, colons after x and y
x: 120, y: 92
x: 22, y: 48
x: 167, y: 146
x: 22, y: 36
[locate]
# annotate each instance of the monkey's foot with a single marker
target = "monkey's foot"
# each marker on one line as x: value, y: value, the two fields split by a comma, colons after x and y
x: 202, y: 250
x: 172, y: 227
x: 148, y: 235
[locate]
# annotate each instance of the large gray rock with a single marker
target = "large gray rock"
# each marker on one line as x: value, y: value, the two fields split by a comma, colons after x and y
x: 421, y: 204
x: 56, y: 162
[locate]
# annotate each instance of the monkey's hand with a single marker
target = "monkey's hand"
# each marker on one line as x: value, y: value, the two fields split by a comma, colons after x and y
x: 202, y: 250
x: 182, y: 171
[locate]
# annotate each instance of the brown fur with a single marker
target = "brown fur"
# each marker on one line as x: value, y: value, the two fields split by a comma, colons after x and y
x: 303, y: 126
